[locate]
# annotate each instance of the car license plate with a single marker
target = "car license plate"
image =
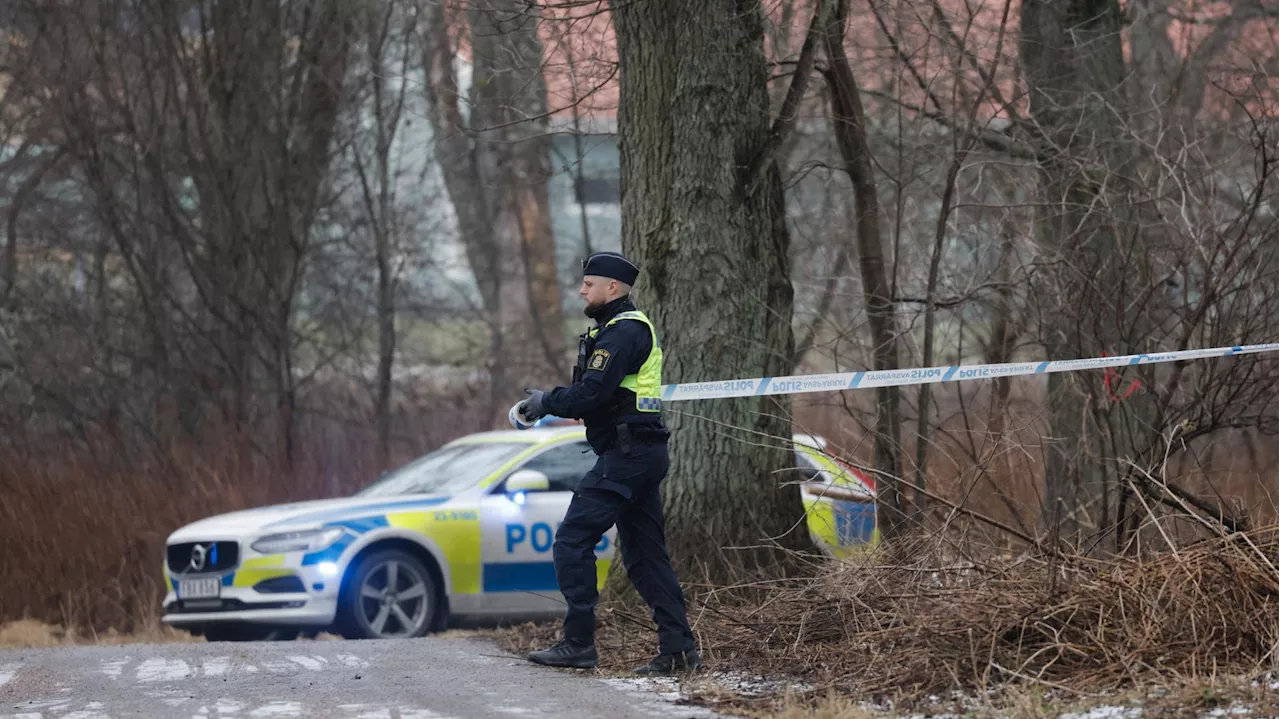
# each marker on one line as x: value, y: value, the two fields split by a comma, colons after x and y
x: 199, y: 588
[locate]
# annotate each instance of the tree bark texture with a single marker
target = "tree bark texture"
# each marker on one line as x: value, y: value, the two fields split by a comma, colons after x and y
x: 712, y: 243
x: 1074, y: 67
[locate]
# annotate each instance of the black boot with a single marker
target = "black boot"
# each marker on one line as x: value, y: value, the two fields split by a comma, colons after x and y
x: 670, y: 663
x: 566, y: 653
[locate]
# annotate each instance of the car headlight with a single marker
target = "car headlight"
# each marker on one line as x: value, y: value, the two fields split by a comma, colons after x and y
x: 312, y: 540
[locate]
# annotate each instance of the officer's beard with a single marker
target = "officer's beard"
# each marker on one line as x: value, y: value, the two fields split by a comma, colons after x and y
x: 593, y: 310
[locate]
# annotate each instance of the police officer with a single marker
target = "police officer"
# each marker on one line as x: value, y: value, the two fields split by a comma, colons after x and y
x: 615, y: 392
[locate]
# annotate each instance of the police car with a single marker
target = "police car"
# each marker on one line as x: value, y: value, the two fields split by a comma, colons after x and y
x: 464, y: 532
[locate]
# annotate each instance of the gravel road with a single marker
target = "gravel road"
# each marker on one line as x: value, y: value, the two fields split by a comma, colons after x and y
x: 430, y: 678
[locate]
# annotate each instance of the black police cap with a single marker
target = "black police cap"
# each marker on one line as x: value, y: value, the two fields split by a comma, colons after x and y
x: 611, y: 265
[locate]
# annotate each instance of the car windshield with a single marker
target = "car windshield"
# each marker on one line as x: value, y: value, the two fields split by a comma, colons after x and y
x: 445, y: 471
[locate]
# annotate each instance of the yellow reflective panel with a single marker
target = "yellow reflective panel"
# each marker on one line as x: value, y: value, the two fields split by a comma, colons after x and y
x: 602, y: 572
x: 457, y: 533
x: 250, y: 577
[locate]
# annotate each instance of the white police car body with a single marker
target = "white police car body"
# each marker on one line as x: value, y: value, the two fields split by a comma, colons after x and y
x: 464, y: 532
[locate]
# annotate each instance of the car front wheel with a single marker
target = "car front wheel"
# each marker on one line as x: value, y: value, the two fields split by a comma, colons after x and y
x: 390, y: 595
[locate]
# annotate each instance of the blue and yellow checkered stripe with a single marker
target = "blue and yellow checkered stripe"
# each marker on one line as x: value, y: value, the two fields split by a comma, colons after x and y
x: 456, y: 533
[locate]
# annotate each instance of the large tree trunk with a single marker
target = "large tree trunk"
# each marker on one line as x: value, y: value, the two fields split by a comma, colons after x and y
x: 1074, y: 66
x: 709, y: 234
x: 274, y: 182
x: 851, y: 137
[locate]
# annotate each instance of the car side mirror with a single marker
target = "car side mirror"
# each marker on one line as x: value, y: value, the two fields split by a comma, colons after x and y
x: 527, y: 480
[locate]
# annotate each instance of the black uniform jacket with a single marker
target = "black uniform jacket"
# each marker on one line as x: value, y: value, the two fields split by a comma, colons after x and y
x: 597, y: 399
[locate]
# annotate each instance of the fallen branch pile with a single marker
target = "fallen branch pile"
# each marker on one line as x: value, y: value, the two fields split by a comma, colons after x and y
x: 1071, y: 622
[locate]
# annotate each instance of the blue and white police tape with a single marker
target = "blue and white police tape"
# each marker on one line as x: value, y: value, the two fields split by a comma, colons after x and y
x: 800, y: 384
x: 517, y: 420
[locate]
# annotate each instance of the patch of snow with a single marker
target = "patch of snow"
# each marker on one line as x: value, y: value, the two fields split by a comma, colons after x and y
x: 382, y: 711
x: 171, y: 697
x: 87, y: 713
x: 352, y: 661
x: 7, y: 671
x: 755, y: 685
x: 1269, y: 677
x: 367, y: 711
x: 278, y: 709
x: 53, y: 704
x: 315, y: 664
x: 113, y: 667
x: 1234, y: 710
x: 666, y: 689
x: 163, y: 670
x: 1106, y: 712
x: 215, y: 666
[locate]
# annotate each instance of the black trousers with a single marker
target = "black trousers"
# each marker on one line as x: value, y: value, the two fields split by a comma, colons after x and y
x: 621, y: 490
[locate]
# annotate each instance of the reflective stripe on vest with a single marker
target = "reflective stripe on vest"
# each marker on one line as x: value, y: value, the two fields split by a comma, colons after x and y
x: 647, y: 382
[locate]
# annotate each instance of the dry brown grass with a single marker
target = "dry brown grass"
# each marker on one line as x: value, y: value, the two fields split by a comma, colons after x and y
x: 83, y: 525
x: 85, y: 543
x: 1068, y: 622
x: 831, y: 706
x: 1176, y: 700
x: 882, y: 626
x: 35, y: 634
